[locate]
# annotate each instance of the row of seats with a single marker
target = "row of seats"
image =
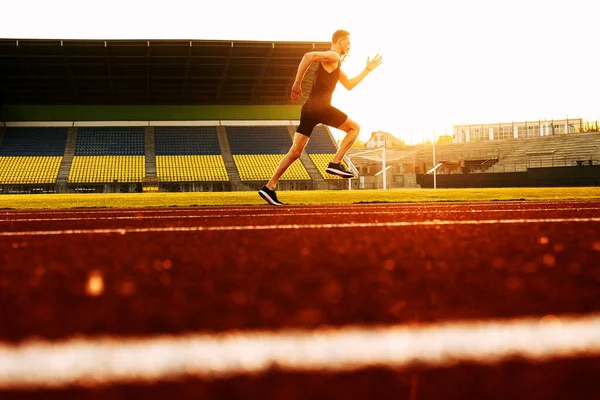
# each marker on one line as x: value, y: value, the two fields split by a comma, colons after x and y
x: 108, y: 154
x: 102, y: 141
x: 186, y: 140
x: 251, y: 167
x: 22, y: 170
x: 110, y: 141
x: 257, y: 151
x: 18, y: 170
x: 190, y: 168
x: 258, y: 167
x: 258, y: 139
x: 92, y: 169
x: 33, y: 141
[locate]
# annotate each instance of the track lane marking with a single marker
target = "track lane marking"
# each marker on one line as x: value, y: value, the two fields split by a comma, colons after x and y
x: 208, y: 216
x: 274, y: 215
x: 167, y: 209
x: 107, y: 361
x: 123, y: 231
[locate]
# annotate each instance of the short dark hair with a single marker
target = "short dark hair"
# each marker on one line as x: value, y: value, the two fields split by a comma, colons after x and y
x: 339, y: 34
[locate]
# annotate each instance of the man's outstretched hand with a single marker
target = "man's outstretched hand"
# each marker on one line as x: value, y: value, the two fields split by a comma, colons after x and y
x: 374, y: 63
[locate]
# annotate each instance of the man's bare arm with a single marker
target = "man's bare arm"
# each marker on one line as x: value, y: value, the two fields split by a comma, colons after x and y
x: 350, y: 83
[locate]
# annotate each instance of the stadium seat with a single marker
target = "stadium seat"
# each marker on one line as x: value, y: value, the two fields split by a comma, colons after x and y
x: 257, y: 150
x: 105, y: 169
x: 256, y: 167
x: 29, y: 169
x: 188, y: 154
x: 190, y: 168
x: 31, y: 155
x: 108, y: 154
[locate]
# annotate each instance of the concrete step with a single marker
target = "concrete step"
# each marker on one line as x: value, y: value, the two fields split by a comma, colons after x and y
x: 232, y: 172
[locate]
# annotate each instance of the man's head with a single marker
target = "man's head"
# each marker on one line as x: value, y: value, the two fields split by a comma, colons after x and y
x: 341, y: 41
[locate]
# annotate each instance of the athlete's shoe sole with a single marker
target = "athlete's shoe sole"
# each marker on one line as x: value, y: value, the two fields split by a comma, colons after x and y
x: 343, y: 174
x: 271, y: 199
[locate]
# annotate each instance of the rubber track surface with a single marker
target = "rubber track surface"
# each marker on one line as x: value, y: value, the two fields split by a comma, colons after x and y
x: 213, y: 269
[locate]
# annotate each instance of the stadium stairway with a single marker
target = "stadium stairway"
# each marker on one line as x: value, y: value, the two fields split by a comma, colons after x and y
x: 312, y: 170
x: 150, y: 152
x: 150, y: 181
x: 67, y: 161
x: 234, y: 176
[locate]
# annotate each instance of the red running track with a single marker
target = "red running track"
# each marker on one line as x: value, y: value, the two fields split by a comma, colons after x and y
x: 218, y: 269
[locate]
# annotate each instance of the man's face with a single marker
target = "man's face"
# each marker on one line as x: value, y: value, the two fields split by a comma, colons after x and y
x: 345, y: 44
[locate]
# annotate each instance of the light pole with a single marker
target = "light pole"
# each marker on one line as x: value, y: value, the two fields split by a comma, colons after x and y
x: 434, y: 164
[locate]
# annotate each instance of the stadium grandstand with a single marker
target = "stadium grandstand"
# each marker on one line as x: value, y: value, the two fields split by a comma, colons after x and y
x: 136, y: 115
x: 31, y: 156
x: 559, y: 159
x: 168, y: 115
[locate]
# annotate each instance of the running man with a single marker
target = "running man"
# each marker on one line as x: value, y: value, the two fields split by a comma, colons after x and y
x: 318, y: 108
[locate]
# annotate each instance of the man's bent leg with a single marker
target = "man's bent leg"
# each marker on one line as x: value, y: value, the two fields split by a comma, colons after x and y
x: 352, y: 130
x: 292, y: 155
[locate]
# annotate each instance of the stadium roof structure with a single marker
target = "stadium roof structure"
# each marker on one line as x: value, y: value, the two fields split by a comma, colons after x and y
x: 150, y: 72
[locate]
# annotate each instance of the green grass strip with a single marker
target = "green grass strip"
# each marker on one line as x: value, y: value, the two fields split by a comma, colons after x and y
x: 199, y: 199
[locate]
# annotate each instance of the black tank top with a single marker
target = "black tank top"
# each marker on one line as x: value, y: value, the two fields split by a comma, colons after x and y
x: 324, y: 84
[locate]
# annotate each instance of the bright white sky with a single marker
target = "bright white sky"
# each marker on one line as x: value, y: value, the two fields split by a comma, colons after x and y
x: 445, y: 61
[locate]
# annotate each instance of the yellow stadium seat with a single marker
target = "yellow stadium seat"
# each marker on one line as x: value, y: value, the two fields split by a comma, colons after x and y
x: 256, y: 167
x: 321, y: 161
x: 188, y: 168
x: 103, y: 169
x: 29, y: 169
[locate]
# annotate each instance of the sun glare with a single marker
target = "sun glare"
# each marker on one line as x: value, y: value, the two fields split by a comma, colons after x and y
x: 444, y: 63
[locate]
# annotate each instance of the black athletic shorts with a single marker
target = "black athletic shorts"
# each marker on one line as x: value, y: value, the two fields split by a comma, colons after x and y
x: 315, y: 113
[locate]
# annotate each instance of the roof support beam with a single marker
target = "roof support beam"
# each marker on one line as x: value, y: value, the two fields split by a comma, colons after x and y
x: 263, y: 70
x: 110, y: 79
x: 30, y: 74
x: 175, y: 78
x: 224, y: 75
x: 188, y: 62
x: 74, y: 90
x: 148, y: 73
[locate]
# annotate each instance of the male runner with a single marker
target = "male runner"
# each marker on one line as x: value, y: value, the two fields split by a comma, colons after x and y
x: 318, y: 108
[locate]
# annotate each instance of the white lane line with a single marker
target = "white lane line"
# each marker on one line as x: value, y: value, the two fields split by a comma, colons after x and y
x: 167, y: 209
x: 107, y: 361
x: 123, y: 231
x: 273, y: 215
x: 282, y: 214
